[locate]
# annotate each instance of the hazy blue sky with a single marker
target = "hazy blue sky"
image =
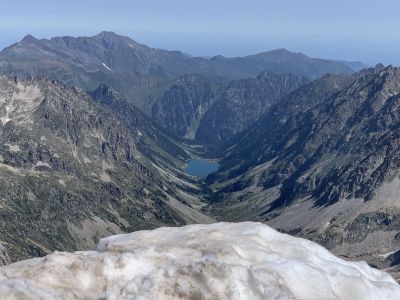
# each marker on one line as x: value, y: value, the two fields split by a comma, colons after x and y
x: 363, y: 30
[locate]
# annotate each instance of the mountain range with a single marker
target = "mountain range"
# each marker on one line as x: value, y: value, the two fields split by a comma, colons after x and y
x: 89, y: 58
x: 95, y: 133
x: 152, y: 78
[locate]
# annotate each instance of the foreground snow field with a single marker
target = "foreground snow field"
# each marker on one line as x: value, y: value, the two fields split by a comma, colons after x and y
x: 217, y: 261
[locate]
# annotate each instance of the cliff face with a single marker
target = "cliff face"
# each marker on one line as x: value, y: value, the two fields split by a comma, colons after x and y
x: 180, y: 110
x: 242, y: 103
x: 211, y: 112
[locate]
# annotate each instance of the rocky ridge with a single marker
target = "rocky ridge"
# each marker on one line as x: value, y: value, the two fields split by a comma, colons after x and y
x: 73, y: 171
x: 322, y: 164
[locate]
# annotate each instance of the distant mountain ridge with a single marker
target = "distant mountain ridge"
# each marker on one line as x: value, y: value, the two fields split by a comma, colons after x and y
x: 135, y: 69
x: 355, y: 65
x: 116, y: 53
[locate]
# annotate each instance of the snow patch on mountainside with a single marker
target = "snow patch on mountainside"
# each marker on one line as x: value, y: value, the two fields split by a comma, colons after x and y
x: 107, y: 67
x: 217, y: 261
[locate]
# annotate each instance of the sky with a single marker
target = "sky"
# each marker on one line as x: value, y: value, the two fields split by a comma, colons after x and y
x: 354, y: 30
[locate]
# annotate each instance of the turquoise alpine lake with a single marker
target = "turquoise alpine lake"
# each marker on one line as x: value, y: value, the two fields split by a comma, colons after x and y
x: 201, y: 167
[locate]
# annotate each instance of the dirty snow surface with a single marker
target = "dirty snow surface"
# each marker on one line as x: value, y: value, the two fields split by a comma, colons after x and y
x: 218, y: 261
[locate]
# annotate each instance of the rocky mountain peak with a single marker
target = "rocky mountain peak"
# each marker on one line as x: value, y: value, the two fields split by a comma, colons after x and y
x: 379, y: 67
x: 111, y: 39
x: 107, y: 35
x: 29, y: 39
x: 105, y: 94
